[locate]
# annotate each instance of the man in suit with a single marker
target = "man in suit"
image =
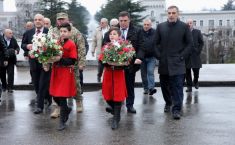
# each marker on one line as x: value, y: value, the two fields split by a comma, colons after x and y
x: 130, y: 33
x: 12, y: 50
x: 40, y: 77
x: 194, y: 60
x: 173, y: 41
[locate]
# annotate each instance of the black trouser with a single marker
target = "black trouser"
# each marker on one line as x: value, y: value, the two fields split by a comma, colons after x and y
x: 43, y: 92
x: 100, y: 69
x: 130, y: 85
x: 9, y: 70
x: 61, y: 101
x: 188, y: 76
x: 113, y: 103
x: 81, y: 77
x: 36, y: 69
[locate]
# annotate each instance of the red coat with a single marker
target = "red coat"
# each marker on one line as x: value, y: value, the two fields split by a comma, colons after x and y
x: 114, y: 91
x: 62, y: 83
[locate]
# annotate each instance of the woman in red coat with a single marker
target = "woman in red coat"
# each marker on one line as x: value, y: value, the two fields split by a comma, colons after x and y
x: 113, y: 86
x: 62, y: 83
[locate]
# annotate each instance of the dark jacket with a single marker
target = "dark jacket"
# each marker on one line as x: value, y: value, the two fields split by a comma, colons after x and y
x: 194, y: 60
x: 147, y: 43
x: 13, y: 46
x: 27, y: 39
x: 173, y: 41
x: 3, y: 54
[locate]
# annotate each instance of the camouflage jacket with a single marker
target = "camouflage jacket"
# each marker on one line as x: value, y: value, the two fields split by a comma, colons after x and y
x: 78, y: 39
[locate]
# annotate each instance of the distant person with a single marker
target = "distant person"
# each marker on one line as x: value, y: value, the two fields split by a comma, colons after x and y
x: 173, y: 41
x: 7, y: 73
x: 29, y: 25
x: 193, y: 62
x: 113, y: 23
x: 147, y: 67
x: 47, y: 23
x: 97, y: 44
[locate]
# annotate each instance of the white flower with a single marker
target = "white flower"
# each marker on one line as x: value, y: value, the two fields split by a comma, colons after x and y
x: 115, y: 43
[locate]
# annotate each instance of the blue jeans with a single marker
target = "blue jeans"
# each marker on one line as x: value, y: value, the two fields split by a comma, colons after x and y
x: 172, y: 90
x: 147, y: 72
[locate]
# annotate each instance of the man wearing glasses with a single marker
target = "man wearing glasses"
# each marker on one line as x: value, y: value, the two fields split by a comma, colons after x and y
x: 173, y: 41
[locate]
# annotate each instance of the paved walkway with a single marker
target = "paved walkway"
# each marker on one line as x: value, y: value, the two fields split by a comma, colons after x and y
x: 208, y: 119
x: 209, y: 73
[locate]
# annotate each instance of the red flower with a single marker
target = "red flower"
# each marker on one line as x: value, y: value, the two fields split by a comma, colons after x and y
x: 101, y: 56
x: 126, y: 49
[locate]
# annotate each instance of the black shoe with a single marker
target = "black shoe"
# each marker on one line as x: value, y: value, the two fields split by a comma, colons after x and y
x: 189, y: 89
x: 98, y: 79
x: 10, y: 91
x: 196, y: 85
x: 176, y: 115
x: 152, y: 91
x: 131, y: 110
x: 146, y: 91
x: 109, y: 110
x: 38, y: 111
x: 66, y: 117
x: 167, y: 108
x: 114, y: 124
x: 4, y: 89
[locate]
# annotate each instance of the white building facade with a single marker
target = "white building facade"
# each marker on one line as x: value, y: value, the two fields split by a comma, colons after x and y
x: 203, y: 20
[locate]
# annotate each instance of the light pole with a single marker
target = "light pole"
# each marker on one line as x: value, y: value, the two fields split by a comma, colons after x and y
x: 208, y: 38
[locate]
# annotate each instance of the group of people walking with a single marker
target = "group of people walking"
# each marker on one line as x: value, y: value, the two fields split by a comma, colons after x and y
x: 174, y: 44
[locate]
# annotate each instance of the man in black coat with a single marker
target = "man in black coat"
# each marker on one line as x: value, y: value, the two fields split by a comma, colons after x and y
x: 40, y: 77
x: 12, y: 50
x: 173, y: 41
x: 3, y: 59
x: 194, y: 60
x: 147, y: 44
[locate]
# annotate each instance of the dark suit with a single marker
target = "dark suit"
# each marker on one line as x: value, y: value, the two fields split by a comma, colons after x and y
x: 41, y: 79
x: 173, y: 41
x: 194, y: 61
x: 9, y: 69
x: 130, y: 71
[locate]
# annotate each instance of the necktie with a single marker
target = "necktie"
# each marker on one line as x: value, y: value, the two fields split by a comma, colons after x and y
x: 38, y: 31
x: 123, y: 34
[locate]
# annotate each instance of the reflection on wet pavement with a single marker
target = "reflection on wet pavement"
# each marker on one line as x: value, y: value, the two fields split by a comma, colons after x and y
x: 208, y: 118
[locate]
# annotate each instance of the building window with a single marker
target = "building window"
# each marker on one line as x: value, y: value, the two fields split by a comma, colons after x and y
x: 194, y: 23
x: 27, y: 14
x: 211, y: 23
x: 10, y: 24
x: 152, y: 13
x: 228, y: 22
x: 201, y: 23
x: 220, y: 23
x: 157, y: 22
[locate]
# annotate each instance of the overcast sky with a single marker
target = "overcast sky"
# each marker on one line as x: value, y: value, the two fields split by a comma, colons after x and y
x: 184, y: 5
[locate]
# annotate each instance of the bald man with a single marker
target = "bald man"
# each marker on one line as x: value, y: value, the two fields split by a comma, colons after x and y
x: 29, y: 25
x: 40, y: 77
x: 47, y: 23
x: 12, y: 50
x: 193, y: 62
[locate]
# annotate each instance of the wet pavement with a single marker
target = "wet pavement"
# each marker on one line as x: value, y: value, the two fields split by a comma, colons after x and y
x: 208, y: 119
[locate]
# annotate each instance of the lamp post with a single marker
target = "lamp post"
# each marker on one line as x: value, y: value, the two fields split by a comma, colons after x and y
x: 208, y: 38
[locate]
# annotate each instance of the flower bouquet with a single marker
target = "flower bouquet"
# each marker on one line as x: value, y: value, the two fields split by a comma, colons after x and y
x: 45, y: 48
x: 117, y: 53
